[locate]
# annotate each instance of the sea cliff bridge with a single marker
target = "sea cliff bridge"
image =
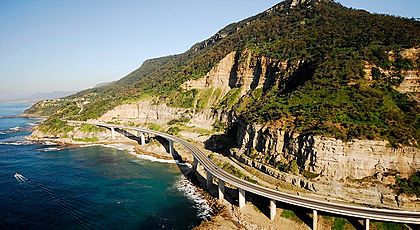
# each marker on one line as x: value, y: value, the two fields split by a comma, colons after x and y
x: 214, y: 172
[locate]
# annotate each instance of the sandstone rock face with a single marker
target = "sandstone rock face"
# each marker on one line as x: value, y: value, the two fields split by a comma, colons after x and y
x: 218, y: 77
x: 328, y: 157
x: 411, y: 83
x: 149, y: 112
x: 377, y: 194
x: 245, y: 71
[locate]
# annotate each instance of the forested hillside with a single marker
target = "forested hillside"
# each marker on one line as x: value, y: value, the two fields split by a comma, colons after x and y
x: 326, y: 88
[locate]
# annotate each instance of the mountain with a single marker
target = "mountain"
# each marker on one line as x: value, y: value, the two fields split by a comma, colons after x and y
x: 306, y: 66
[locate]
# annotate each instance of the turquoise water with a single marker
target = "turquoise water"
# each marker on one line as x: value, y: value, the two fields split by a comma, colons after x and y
x: 87, y: 188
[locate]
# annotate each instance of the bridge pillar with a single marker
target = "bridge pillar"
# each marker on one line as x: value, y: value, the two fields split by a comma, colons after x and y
x: 221, y: 189
x: 142, y: 138
x: 241, y: 198
x: 171, y: 147
x: 314, y: 219
x: 209, y: 179
x: 112, y: 133
x: 367, y: 223
x: 273, y: 209
x: 195, y: 164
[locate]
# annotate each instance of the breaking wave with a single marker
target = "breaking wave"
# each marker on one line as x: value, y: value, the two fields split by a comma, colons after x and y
x: 15, y: 129
x: 50, y: 149
x: 16, y: 143
x: 130, y: 149
x: 154, y: 159
x: 204, y: 210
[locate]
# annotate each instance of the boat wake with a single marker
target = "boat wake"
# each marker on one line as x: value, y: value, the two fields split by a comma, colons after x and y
x: 204, y: 210
x: 20, y: 178
x: 75, y: 213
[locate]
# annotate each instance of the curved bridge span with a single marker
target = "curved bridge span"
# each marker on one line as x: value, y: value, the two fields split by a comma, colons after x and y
x: 213, y: 171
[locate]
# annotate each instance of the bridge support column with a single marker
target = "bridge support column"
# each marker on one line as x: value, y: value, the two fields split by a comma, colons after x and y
x: 195, y: 165
x: 171, y: 147
x: 142, y: 138
x: 221, y: 189
x: 241, y: 198
x: 272, y: 209
x: 367, y: 223
x: 209, y: 179
x: 112, y: 133
x: 314, y: 219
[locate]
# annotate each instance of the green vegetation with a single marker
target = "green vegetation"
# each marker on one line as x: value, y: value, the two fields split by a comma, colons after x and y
x: 87, y: 139
x: 289, y: 214
x: 219, y: 126
x: 179, y: 121
x: 230, y: 99
x: 86, y: 128
x: 44, y: 108
x: 204, y: 98
x: 293, y: 167
x: 174, y: 130
x: 227, y: 167
x: 309, y: 175
x: 55, y: 127
x: 184, y: 99
x: 339, y: 223
x: 388, y: 226
x: 194, y: 129
x: 410, y: 185
x: 322, y: 91
x: 155, y: 127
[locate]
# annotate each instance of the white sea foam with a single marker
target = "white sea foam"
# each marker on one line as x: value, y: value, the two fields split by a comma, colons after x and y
x: 190, y: 191
x: 3, y: 133
x: 15, y: 129
x: 17, y: 143
x: 154, y: 159
x: 50, y: 149
x: 49, y: 143
x: 130, y: 149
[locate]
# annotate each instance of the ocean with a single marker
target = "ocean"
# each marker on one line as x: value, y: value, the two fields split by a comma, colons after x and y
x: 96, y: 187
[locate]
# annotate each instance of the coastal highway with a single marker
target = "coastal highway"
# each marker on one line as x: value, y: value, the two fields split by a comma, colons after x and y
x: 399, y: 216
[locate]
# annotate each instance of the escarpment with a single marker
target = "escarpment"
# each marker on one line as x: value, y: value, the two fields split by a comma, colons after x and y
x: 327, y: 157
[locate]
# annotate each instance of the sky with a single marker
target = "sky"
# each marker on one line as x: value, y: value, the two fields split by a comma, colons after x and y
x: 58, y: 45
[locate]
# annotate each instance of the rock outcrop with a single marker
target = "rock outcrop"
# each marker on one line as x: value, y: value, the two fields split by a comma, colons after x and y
x: 328, y: 157
x: 148, y: 111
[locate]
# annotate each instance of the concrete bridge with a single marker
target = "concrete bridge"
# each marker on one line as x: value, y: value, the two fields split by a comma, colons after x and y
x: 214, y: 172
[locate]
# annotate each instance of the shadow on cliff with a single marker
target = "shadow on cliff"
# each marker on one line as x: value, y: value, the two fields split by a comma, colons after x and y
x: 222, y: 143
